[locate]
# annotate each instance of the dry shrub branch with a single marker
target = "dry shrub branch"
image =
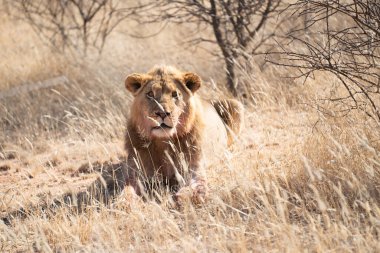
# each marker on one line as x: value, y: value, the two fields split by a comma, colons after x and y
x: 235, y: 26
x: 75, y: 24
x: 341, y: 38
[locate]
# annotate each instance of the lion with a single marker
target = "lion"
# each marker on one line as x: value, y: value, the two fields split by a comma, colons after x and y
x: 170, y: 129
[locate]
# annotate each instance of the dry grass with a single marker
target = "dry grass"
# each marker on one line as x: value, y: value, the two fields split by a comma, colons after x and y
x: 295, y: 181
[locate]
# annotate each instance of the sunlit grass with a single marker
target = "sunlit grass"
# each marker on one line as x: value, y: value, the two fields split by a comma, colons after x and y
x: 294, y: 181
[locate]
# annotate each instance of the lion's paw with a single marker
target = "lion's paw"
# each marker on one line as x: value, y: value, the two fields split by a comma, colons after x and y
x: 195, y: 193
x: 184, y: 195
x: 199, y: 192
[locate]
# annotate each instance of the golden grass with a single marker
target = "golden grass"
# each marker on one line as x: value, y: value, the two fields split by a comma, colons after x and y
x: 295, y: 181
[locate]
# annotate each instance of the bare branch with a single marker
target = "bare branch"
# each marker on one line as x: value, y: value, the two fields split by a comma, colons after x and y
x: 343, y: 39
x: 75, y: 24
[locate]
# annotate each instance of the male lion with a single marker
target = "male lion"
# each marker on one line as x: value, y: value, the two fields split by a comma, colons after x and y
x: 170, y: 129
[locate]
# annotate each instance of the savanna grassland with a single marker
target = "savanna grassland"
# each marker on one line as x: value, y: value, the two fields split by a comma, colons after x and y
x: 296, y: 179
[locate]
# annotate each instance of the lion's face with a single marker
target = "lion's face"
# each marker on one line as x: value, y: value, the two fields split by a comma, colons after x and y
x: 162, y: 101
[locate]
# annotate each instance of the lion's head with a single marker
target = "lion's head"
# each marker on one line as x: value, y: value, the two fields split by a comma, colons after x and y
x: 163, y: 104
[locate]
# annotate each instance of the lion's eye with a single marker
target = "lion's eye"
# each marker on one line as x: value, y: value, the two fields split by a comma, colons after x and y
x: 150, y: 94
x: 175, y: 94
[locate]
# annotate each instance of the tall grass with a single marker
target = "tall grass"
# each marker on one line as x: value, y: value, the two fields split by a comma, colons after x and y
x: 297, y: 180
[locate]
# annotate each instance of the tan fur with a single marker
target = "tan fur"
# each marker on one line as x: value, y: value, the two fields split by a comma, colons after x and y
x: 175, y: 161
x: 169, y: 128
x: 231, y: 112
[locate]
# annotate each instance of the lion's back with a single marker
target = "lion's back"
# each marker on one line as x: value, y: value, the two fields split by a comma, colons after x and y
x: 215, y: 138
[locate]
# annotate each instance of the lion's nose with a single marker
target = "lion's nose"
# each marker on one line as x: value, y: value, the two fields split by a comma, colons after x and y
x: 162, y: 114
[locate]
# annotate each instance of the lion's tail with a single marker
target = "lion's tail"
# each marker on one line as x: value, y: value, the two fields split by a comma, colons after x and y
x: 232, y: 113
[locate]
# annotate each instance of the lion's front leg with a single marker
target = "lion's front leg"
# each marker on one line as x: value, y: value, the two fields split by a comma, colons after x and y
x: 197, y: 189
x: 133, y: 175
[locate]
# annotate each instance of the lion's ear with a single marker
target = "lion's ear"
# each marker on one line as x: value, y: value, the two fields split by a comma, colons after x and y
x: 192, y: 81
x: 134, y: 82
